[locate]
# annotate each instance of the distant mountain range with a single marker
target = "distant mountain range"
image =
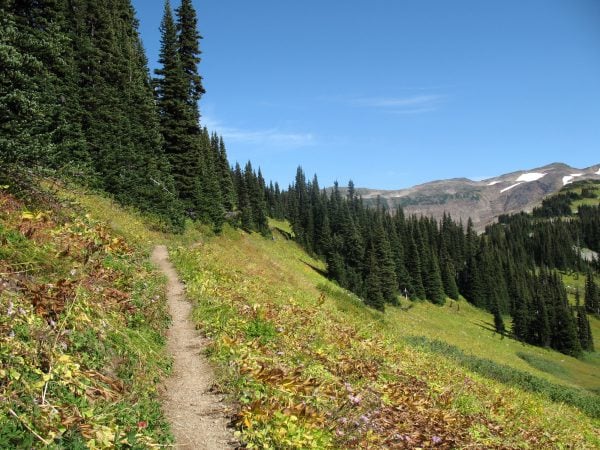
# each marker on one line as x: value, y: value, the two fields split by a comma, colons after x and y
x: 482, y: 201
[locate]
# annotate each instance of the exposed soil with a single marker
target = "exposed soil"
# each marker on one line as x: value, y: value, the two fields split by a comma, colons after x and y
x: 197, y: 416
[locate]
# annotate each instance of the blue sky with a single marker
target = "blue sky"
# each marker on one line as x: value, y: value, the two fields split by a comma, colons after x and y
x: 393, y: 93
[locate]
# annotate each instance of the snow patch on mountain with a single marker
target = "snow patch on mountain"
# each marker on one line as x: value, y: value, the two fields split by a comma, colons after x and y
x: 598, y: 173
x: 531, y: 176
x: 510, y: 187
x: 498, y: 181
x: 569, y: 178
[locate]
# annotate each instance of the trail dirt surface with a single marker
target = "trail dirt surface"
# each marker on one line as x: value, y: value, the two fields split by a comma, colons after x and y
x: 197, y: 416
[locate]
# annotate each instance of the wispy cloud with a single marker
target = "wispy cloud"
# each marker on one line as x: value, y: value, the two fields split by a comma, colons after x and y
x: 273, y: 137
x: 415, y: 104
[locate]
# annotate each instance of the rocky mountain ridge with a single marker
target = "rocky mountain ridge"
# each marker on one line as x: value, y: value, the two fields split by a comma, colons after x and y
x: 483, y: 201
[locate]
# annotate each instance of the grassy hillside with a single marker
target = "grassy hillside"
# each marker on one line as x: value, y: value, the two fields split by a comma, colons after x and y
x: 577, y: 187
x: 310, y: 367
x: 82, y: 323
x: 305, y: 364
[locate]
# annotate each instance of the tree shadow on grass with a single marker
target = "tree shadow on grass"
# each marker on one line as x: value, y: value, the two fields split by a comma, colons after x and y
x: 321, y: 272
x: 488, y: 326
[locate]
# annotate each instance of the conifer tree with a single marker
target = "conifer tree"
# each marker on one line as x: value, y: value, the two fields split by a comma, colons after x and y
x: 432, y: 281
x: 413, y: 263
x: 398, y: 249
x: 448, y: 273
x: 386, y: 267
x: 498, y: 320
x: 28, y: 46
x: 227, y: 189
x: 584, y: 331
x: 243, y: 198
x: 592, y: 295
x: 189, y: 52
x: 210, y: 205
x: 373, y: 294
x: 178, y: 117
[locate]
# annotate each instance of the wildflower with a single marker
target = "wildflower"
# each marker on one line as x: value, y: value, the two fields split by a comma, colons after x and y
x: 11, y: 309
x: 436, y: 439
x: 354, y: 399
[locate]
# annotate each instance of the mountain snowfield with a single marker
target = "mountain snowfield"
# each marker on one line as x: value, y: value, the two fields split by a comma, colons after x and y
x: 532, y: 176
x: 483, y: 201
x: 569, y: 178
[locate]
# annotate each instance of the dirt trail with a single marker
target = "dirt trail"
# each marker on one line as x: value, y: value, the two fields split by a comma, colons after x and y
x: 197, y: 416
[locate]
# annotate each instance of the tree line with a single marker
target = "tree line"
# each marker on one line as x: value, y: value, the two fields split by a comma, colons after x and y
x: 76, y: 97
x: 511, y: 269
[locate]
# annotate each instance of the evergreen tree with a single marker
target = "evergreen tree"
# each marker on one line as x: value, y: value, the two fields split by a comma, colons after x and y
x: 210, y: 206
x: 243, y: 198
x: 227, y: 189
x: 448, y: 273
x: 413, y: 265
x: 584, y: 331
x: 498, y: 320
x: 189, y: 52
x: 385, y: 261
x: 432, y: 281
x: 592, y: 295
x: 373, y: 294
x: 396, y: 233
x: 178, y: 118
x: 258, y: 207
x: 30, y: 45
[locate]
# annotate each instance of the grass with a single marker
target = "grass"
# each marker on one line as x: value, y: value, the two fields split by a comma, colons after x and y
x: 311, y: 367
x: 82, y: 325
x: 472, y: 330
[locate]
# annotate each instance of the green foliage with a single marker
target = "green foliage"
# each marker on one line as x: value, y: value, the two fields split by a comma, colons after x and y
x: 261, y: 329
x: 69, y: 287
x: 586, y: 401
x: 545, y: 365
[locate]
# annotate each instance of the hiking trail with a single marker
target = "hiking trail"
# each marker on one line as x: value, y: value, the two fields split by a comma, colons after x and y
x: 197, y: 416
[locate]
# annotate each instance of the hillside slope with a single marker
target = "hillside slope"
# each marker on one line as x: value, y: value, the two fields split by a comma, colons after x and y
x: 304, y: 363
x: 311, y: 367
x: 82, y: 324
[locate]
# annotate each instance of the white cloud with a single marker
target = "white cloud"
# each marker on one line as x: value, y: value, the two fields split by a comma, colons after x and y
x: 416, y: 104
x: 268, y: 137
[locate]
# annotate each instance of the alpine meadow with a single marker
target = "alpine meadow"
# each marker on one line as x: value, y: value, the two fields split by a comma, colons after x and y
x: 155, y: 293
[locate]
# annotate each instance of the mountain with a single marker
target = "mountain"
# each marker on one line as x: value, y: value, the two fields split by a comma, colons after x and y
x: 482, y: 201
